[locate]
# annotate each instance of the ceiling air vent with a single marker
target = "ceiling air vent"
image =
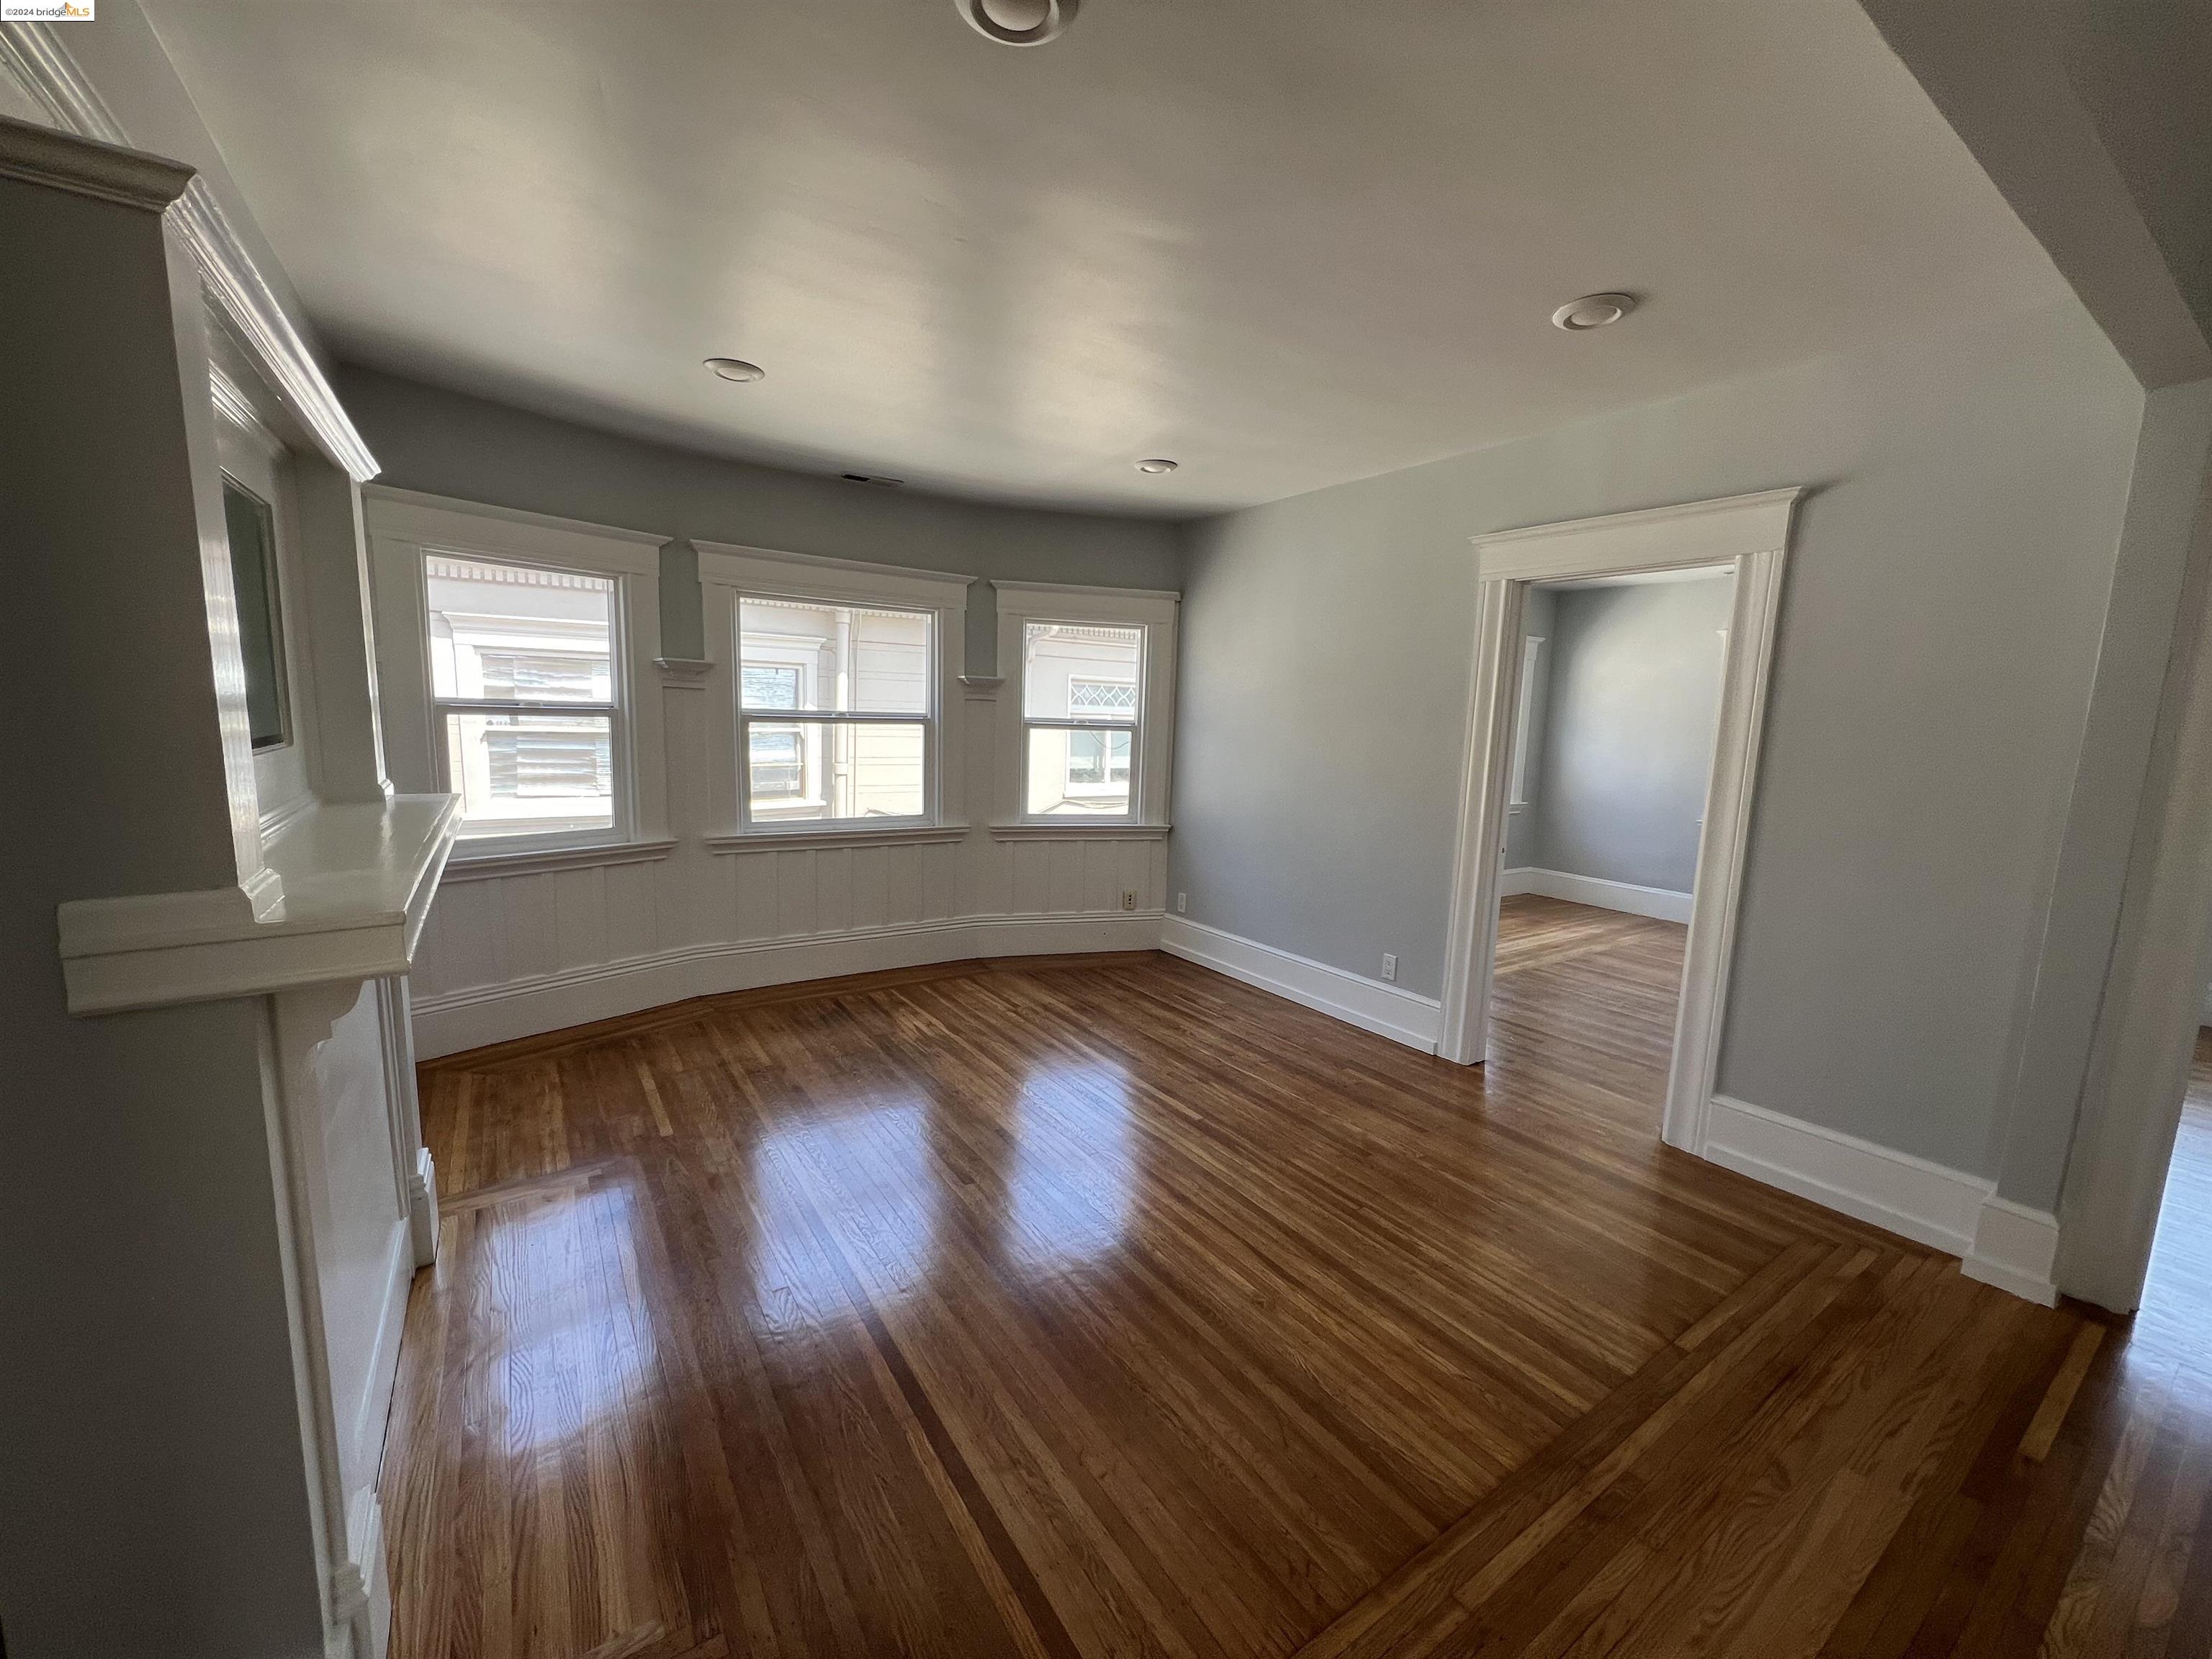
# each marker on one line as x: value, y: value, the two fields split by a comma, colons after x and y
x: 871, y: 478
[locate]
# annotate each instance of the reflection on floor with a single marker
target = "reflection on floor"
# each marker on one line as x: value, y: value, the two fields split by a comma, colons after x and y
x: 1110, y: 1307
x: 1586, y: 993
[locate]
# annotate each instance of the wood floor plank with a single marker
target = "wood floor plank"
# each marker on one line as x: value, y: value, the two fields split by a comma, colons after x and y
x: 1056, y: 1309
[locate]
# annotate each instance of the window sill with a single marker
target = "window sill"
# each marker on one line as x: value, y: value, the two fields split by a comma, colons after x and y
x: 532, y: 861
x: 904, y: 834
x: 1074, y: 829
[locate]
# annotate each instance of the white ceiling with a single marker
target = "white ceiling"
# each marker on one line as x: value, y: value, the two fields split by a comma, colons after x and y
x: 1287, y: 244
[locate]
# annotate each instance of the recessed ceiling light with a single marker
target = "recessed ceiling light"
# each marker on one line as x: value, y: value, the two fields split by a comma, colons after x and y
x: 1018, y: 22
x: 1593, y: 311
x: 1157, y: 464
x: 736, y: 368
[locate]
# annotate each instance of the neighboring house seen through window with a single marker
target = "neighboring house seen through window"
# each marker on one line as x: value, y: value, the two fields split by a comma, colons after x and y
x: 522, y: 675
x: 1081, y: 709
x: 834, y: 711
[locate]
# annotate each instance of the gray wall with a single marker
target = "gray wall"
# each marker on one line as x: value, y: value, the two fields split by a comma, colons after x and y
x: 449, y: 444
x: 1938, y: 639
x: 153, y: 1497
x: 1634, y: 687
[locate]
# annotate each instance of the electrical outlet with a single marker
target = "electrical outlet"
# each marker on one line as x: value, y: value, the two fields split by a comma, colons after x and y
x: 1128, y: 898
x: 1182, y: 902
x: 1389, y: 966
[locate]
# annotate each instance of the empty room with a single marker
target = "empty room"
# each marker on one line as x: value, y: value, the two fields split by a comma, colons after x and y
x: 1087, y: 828
x: 1614, y: 720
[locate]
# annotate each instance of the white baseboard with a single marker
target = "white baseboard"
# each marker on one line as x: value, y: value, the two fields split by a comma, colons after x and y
x: 1662, y: 903
x: 1923, y: 1201
x: 470, y: 1018
x: 1372, y: 1006
x: 2015, y: 1249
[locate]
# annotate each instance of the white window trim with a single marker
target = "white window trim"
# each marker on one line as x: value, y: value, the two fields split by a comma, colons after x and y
x: 1151, y: 753
x: 404, y: 527
x: 726, y: 571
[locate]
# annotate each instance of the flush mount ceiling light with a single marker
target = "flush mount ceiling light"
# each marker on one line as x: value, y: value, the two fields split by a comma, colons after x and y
x: 1593, y: 311
x: 1018, y: 22
x: 737, y: 368
x: 1157, y: 464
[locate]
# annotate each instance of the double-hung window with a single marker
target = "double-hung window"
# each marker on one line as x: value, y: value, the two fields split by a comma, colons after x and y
x: 834, y: 707
x: 1091, y: 675
x: 523, y: 704
x: 841, y: 695
x: 1081, y: 705
x: 511, y: 651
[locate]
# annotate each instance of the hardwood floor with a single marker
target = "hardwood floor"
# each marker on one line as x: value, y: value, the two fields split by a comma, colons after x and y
x: 1061, y: 1308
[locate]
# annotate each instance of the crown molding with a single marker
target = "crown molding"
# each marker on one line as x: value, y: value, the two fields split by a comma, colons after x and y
x: 86, y: 166
x: 241, y: 294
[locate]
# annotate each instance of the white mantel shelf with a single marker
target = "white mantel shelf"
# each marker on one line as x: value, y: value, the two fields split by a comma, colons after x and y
x: 343, y: 896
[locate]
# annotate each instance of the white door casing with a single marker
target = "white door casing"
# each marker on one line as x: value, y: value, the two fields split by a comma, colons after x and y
x: 1746, y: 533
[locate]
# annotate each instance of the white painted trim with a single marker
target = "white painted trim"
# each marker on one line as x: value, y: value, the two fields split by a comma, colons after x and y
x: 767, y: 570
x: 359, y: 1590
x: 355, y: 884
x: 1152, y: 604
x: 1664, y: 903
x: 445, y: 524
x: 1927, y: 1203
x: 461, y: 867
x: 2015, y: 1249
x: 365, y: 1432
x: 786, y: 841
x: 1081, y: 829
x: 472, y: 1018
x: 1752, y: 533
x: 141, y: 921
x: 2154, y: 998
x: 88, y: 166
x: 1686, y: 534
x: 422, y: 1208
x: 1372, y: 1006
x: 234, y: 285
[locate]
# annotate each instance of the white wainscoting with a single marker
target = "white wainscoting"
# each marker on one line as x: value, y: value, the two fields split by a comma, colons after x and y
x: 1663, y: 902
x: 1369, y: 1004
x: 513, y: 953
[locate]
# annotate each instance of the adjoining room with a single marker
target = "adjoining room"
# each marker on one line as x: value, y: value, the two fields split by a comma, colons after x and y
x: 1616, y: 717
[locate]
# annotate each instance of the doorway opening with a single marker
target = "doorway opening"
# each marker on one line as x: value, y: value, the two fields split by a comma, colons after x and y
x: 1743, y: 541
x: 2177, y: 1288
x: 1613, y: 728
